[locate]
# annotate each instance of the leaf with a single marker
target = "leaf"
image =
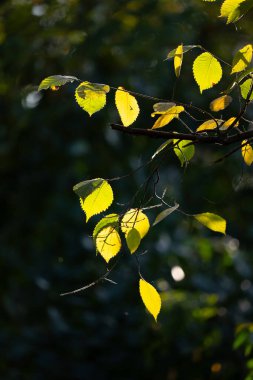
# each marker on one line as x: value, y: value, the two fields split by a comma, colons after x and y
x: 161, y: 108
x: 150, y: 298
x: 135, y: 218
x: 228, y: 123
x: 161, y: 148
x: 127, y: 106
x: 242, y: 59
x: 168, y: 116
x: 234, y: 9
x: 212, y: 221
x: 108, y: 243
x: 178, y: 60
x: 108, y: 220
x: 220, y: 103
x: 209, y: 124
x: 95, y: 196
x: 243, y: 75
x: 245, y: 89
x: 133, y: 240
x: 162, y: 215
x: 184, y: 151
x: 91, y: 97
x: 186, y: 48
x: 247, y: 152
x: 55, y: 81
x: 207, y: 71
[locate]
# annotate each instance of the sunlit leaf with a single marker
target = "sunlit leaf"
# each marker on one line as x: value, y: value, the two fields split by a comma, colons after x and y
x: 161, y: 108
x: 178, y: 60
x: 228, y: 123
x: 135, y: 218
x: 127, y: 106
x: 186, y: 48
x: 246, y: 87
x: 91, y: 97
x: 108, y: 243
x: 55, y: 81
x: 108, y: 220
x: 220, y: 103
x: 210, y: 1
x: 150, y: 298
x: 133, y: 240
x: 184, y: 150
x: 162, y: 215
x: 207, y: 71
x: 161, y: 148
x: 242, y: 59
x: 232, y: 10
x: 168, y: 116
x: 95, y: 196
x: 209, y: 124
x: 247, y: 152
x: 212, y: 221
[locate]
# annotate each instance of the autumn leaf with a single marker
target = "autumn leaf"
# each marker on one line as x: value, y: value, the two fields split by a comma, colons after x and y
x: 209, y: 125
x: 135, y: 218
x: 150, y: 298
x: 91, y: 97
x: 178, y: 60
x: 220, y: 103
x: 163, y: 214
x: 228, y: 123
x: 246, y: 87
x: 127, y: 106
x: 207, y: 71
x: 111, y: 220
x: 168, y: 116
x: 247, y: 152
x: 212, y: 221
x: 242, y: 59
x: 108, y: 243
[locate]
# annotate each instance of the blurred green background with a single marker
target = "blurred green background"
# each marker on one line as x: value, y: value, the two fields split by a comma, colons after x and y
x: 48, y: 144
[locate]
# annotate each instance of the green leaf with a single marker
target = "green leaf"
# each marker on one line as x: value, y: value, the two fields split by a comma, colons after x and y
x: 162, y: 215
x: 133, y: 240
x: 91, y: 97
x: 95, y: 196
x: 245, y: 89
x: 234, y: 9
x: 150, y: 298
x: 186, y: 48
x: 55, y: 81
x: 183, y: 151
x: 207, y: 71
x: 108, y: 220
x: 212, y: 221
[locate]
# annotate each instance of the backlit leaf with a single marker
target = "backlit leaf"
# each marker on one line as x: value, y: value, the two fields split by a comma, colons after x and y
x: 55, y: 81
x: 220, y: 103
x: 178, y: 60
x: 228, y: 123
x: 94, y: 199
x: 91, y: 97
x: 184, y: 150
x: 127, y: 106
x: 232, y: 10
x: 133, y: 240
x: 162, y: 215
x: 186, y: 48
x: 212, y: 221
x: 207, y: 71
x: 161, y: 108
x: 209, y: 124
x: 108, y: 220
x: 108, y: 243
x: 161, y: 148
x: 242, y: 59
x: 168, y: 116
x: 247, y: 152
x: 245, y: 89
x: 150, y: 298
x: 135, y: 218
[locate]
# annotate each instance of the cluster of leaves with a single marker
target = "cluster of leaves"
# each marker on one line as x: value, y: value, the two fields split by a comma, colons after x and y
x: 233, y: 10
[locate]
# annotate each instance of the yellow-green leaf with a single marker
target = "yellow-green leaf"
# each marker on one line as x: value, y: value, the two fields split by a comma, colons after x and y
x: 111, y: 220
x: 242, y: 59
x: 99, y: 198
x: 220, y: 103
x: 184, y: 150
x: 55, y: 81
x: 91, y: 97
x: 247, y: 152
x: 186, y: 48
x: 163, y: 214
x: 161, y: 108
x: 108, y: 243
x: 168, y: 116
x: 127, y: 106
x: 230, y: 9
x: 209, y: 124
x: 133, y: 240
x: 245, y: 89
x: 207, y: 71
x: 178, y: 60
x: 228, y: 123
x: 135, y: 218
x: 212, y: 221
x: 150, y: 298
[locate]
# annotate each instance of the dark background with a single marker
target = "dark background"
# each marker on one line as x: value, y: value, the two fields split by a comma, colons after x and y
x: 48, y: 144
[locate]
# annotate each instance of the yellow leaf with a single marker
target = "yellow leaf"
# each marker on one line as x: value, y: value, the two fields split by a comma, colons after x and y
x: 229, y: 10
x: 242, y: 59
x: 178, y: 60
x: 212, y: 221
x: 108, y: 243
x: 220, y: 103
x: 168, y: 116
x: 207, y: 71
x: 98, y: 200
x: 133, y: 240
x: 127, y: 106
x: 227, y: 124
x: 91, y: 97
x: 111, y: 220
x: 209, y: 124
x: 135, y: 218
x: 161, y: 108
x: 247, y: 153
x: 150, y: 298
